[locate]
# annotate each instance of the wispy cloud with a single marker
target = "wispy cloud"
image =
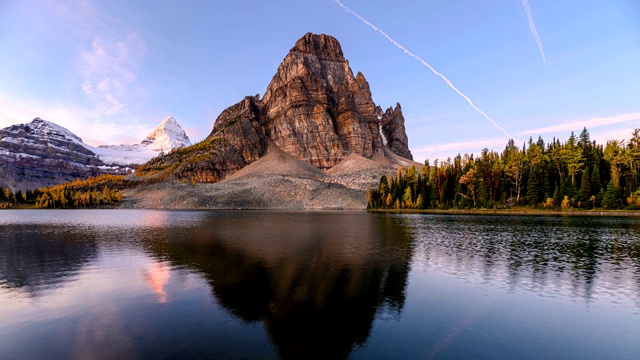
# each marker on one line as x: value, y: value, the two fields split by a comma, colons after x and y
x: 532, y: 27
x: 590, y: 123
x: 108, y: 69
x: 77, y: 118
x: 108, y: 58
x: 110, y: 54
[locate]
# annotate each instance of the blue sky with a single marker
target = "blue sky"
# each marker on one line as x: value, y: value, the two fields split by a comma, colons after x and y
x: 110, y: 71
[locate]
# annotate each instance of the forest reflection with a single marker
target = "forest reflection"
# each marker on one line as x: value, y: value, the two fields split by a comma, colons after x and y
x: 315, y: 281
x: 579, y: 256
x: 34, y: 259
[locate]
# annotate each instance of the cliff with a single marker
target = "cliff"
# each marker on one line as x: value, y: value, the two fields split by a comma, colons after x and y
x: 314, y: 109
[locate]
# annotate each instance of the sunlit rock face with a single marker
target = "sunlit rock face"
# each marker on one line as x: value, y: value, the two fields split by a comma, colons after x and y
x: 392, y: 125
x: 314, y: 109
x: 317, y: 110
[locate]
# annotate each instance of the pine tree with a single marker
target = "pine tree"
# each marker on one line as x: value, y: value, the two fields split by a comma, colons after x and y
x: 611, y: 198
x: 595, y: 180
x: 556, y: 196
x: 533, y: 187
x: 585, y: 187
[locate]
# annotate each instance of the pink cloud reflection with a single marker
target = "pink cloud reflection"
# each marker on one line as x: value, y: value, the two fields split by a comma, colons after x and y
x: 157, y: 277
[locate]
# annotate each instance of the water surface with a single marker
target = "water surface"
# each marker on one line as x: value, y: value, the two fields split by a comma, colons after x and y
x: 186, y: 284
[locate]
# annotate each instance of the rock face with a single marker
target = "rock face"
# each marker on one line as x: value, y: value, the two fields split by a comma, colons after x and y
x: 314, y: 109
x: 42, y: 153
x: 317, y: 110
x: 392, y: 125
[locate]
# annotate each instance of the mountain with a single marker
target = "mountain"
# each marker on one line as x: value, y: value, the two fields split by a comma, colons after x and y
x: 165, y: 137
x: 42, y: 153
x: 314, y: 109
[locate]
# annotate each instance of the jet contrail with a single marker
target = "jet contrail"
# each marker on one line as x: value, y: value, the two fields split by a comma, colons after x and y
x: 532, y: 26
x: 423, y: 63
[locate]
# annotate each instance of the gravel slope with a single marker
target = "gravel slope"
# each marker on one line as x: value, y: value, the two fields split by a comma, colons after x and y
x: 276, y: 181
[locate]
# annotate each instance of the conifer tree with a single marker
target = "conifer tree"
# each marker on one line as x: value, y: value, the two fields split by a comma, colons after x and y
x: 585, y: 187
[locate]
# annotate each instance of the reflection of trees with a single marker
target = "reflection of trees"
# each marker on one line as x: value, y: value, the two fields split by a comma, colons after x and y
x: 317, y: 281
x: 35, y: 259
x: 539, y: 252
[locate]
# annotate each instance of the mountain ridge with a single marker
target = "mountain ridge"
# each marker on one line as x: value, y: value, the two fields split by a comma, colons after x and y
x: 43, y: 153
x: 314, y: 109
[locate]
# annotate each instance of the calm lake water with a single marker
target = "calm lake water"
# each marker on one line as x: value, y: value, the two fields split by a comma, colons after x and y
x: 130, y: 284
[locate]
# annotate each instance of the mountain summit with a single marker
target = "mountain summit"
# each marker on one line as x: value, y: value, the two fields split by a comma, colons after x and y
x: 42, y: 153
x: 314, y: 109
x: 166, y: 136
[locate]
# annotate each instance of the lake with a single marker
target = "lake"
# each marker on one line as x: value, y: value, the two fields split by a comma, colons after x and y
x: 144, y: 284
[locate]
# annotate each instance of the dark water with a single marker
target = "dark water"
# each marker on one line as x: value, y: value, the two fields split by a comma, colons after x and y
x: 248, y: 285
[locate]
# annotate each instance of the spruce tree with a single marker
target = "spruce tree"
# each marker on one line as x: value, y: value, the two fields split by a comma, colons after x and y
x: 585, y: 187
x: 611, y: 198
x: 595, y: 180
x: 533, y: 187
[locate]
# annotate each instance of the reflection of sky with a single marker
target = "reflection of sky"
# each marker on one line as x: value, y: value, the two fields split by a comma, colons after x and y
x: 106, y: 219
x: 93, y: 311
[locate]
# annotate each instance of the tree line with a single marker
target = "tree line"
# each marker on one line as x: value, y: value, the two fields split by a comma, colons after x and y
x: 577, y: 173
x: 103, y: 190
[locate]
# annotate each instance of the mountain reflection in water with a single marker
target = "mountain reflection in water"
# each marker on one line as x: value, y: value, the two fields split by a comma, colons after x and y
x: 317, y: 282
x: 36, y: 260
x: 260, y: 284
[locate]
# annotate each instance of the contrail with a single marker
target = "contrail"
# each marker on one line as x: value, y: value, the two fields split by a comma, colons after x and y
x: 423, y: 63
x: 532, y: 26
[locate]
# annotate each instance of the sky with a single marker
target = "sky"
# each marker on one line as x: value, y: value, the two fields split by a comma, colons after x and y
x: 110, y: 71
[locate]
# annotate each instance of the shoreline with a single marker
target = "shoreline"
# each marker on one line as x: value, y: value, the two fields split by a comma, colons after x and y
x: 521, y: 212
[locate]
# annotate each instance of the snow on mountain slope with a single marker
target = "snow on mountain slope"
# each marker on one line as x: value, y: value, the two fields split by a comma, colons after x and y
x: 44, y: 129
x: 47, y: 140
x: 166, y: 136
x: 123, y: 154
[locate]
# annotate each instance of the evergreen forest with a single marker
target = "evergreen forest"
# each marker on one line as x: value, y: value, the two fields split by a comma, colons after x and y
x: 570, y: 175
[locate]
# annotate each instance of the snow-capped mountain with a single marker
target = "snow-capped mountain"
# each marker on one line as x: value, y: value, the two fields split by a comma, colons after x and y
x: 42, y: 153
x: 46, y: 140
x: 166, y: 136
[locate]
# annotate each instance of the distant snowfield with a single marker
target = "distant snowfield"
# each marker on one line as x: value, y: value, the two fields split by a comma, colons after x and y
x: 123, y: 154
x: 166, y: 136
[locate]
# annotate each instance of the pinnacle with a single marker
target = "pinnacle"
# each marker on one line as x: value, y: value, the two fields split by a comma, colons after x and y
x: 324, y: 46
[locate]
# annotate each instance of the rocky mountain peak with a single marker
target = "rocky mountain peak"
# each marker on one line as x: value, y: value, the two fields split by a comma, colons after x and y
x: 324, y: 46
x: 392, y: 126
x: 44, y: 128
x: 314, y: 109
x: 41, y: 153
x: 166, y: 136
